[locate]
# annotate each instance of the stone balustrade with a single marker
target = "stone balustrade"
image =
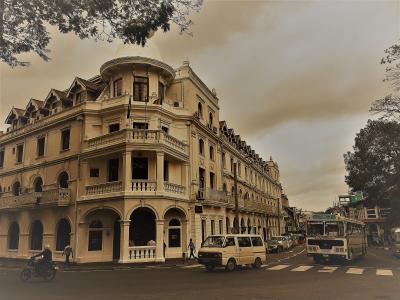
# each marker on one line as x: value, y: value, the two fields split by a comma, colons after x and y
x: 58, y: 196
x: 104, y: 188
x: 144, y: 186
x: 174, y: 188
x: 142, y: 253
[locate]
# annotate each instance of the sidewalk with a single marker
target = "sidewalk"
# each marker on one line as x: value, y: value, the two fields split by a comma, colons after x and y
x: 8, y: 263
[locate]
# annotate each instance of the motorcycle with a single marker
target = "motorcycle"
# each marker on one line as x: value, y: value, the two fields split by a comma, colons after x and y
x: 47, y: 271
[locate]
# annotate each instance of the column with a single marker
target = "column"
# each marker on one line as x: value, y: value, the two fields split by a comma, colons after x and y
x: 160, y: 171
x: 185, y: 177
x: 160, y: 241
x: 124, y: 243
x: 83, y: 176
x: 126, y: 171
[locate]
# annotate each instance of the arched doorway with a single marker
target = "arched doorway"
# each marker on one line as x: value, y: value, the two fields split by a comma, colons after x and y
x: 175, y: 236
x: 63, y: 237
x: 38, y: 184
x: 36, y: 236
x: 13, y: 236
x: 16, y: 188
x: 142, y: 228
x: 63, y: 180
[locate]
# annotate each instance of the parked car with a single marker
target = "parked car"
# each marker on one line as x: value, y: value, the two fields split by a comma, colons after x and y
x: 273, y: 246
x: 283, y: 241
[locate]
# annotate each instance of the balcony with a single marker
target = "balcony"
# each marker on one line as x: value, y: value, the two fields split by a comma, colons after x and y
x: 252, y: 206
x: 212, y: 197
x: 142, y: 138
x: 53, y: 197
x: 140, y: 188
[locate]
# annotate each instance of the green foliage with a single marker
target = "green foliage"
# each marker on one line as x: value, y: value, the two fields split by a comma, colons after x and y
x: 23, y: 22
x: 374, y: 164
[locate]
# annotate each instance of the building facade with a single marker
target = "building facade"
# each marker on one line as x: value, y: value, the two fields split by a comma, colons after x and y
x: 128, y: 166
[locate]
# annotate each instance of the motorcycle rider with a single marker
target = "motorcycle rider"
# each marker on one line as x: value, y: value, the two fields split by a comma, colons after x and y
x: 45, y: 261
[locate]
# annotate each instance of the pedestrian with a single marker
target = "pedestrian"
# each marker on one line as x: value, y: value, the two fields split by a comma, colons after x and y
x: 192, y: 249
x: 68, y: 252
x: 165, y: 247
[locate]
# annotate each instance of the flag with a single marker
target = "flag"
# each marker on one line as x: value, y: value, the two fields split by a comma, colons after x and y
x: 128, y: 114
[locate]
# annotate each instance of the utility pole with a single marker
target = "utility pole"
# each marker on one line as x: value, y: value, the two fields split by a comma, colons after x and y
x: 236, y: 225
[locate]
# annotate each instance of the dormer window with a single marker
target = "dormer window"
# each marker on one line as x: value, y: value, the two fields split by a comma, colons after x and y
x: 79, y: 98
x: 141, y: 89
x: 118, y: 87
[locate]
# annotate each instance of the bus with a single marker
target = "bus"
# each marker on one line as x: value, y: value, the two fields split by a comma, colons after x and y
x: 333, y: 237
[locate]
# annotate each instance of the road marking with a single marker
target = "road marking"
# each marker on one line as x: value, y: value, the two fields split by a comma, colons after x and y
x: 327, y: 270
x: 302, y: 268
x: 192, y: 266
x: 357, y: 271
x: 384, y: 272
x: 278, y: 267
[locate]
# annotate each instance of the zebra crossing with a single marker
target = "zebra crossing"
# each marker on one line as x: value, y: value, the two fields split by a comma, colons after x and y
x: 332, y: 269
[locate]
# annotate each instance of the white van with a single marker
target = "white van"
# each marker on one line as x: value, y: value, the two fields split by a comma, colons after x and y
x: 232, y: 250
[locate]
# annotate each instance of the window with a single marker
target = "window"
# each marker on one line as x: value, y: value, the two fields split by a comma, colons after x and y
x: 20, y: 152
x: 139, y: 125
x: 201, y: 146
x: 16, y: 188
x: 113, y: 127
x: 212, y: 227
x: 118, y: 87
x: 203, y: 230
x: 36, y: 241
x: 113, y: 165
x: 166, y: 170
x: 63, y: 180
x: 1, y: 158
x: 200, y: 110
x: 230, y: 241
x: 13, y: 236
x: 40, y: 146
x: 212, y: 154
x: 95, y: 241
x: 165, y: 129
x: 232, y: 164
x: 63, y: 234
x: 161, y: 92
x: 141, y: 89
x: 79, y: 98
x: 65, y: 136
x: 212, y: 180
x: 38, y: 185
x: 210, y: 119
x: 244, y: 242
x: 256, y: 241
x: 239, y: 169
x: 223, y: 160
x: 174, y: 233
x: 94, y: 172
x: 220, y: 226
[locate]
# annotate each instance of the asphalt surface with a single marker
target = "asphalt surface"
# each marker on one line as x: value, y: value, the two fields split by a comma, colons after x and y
x: 289, y: 275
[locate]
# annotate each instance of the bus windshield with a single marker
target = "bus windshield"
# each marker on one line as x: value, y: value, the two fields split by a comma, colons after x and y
x: 315, y: 228
x: 214, y: 242
x: 331, y: 228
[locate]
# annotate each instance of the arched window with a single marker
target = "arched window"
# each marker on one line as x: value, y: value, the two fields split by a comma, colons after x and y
x: 36, y: 242
x: 210, y: 118
x: 200, y: 110
x: 174, y: 233
x: 37, y: 184
x: 201, y: 146
x: 13, y: 236
x: 95, y: 241
x: 63, y: 179
x: 16, y: 188
x: 63, y: 234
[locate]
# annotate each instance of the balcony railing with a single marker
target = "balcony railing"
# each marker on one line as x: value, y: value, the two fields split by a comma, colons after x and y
x: 144, y: 186
x: 104, y: 188
x: 137, y: 136
x: 59, y: 197
x: 142, y: 253
x: 174, y: 188
x: 210, y: 196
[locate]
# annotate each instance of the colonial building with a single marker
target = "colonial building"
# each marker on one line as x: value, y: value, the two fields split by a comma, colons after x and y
x: 128, y: 166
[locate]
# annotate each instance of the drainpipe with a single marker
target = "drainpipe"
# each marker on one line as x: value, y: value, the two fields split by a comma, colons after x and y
x: 80, y: 119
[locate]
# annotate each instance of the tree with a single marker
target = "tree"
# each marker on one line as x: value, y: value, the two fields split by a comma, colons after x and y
x: 23, y: 22
x: 392, y: 62
x: 388, y: 107
x: 374, y: 165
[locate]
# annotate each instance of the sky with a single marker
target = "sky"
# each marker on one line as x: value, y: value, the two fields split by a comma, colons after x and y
x: 295, y: 79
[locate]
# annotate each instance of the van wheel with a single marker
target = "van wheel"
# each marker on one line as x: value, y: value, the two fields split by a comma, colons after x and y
x: 210, y: 268
x: 257, y: 264
x: 231, y: 265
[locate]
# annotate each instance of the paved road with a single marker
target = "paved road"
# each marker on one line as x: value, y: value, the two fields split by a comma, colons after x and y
x: 289, y: 275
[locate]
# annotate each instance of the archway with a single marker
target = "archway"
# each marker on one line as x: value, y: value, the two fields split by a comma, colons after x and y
x: 242, y: 226
x: 13, y: 236
x: 175, y: 236
x: 248, y: 226
x: 235, y: 226
x: 36, y: 236
x: 63, y: 237
x: 142, y: 228
x: 38, y: 184
x: 63, y: 180
x: 16, y: 188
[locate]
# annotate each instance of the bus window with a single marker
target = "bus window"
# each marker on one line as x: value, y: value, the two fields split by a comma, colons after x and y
x: 334, y: 229
x: 315, y: 228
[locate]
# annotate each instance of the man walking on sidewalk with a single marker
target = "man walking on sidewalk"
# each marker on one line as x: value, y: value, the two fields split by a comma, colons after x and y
x: 192, y: 249
x: 68, y: 252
